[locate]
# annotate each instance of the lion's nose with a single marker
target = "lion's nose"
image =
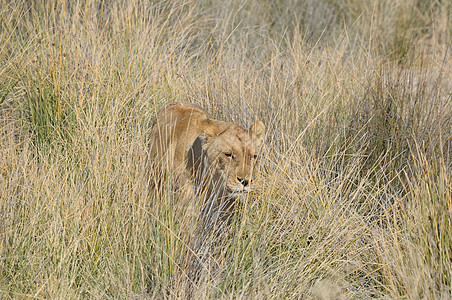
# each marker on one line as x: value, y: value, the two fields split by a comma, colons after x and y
x: 244, y: 182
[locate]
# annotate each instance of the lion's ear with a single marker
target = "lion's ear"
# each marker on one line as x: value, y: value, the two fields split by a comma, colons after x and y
x: 257, y: 132
x: 211, y: 128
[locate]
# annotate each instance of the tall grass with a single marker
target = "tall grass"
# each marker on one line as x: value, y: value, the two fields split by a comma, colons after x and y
x: 353, y: 197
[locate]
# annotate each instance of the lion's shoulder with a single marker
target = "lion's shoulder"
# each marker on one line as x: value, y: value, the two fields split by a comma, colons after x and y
x: 185, y: 109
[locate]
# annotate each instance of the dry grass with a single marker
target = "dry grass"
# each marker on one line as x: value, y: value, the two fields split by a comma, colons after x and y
x: 354, y: 194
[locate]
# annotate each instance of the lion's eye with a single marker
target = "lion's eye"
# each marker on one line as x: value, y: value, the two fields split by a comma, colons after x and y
x: 229, y: 155
x: 255, y: 156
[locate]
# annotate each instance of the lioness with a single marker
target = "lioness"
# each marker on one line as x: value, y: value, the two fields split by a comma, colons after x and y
x: 203, y: 156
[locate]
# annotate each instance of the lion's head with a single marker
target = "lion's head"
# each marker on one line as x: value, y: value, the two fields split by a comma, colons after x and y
x: 231, y: 152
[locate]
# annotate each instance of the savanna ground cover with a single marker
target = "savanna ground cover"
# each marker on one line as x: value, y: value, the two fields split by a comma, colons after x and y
x: 353, y: 197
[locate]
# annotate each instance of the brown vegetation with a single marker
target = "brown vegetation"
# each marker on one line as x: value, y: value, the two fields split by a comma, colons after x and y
x: 353, y: 199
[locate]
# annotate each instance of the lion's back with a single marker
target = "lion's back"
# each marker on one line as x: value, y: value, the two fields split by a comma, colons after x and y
x: 173, y: 131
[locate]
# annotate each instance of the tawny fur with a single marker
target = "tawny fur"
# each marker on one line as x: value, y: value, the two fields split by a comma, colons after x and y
x: 203, y: 156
